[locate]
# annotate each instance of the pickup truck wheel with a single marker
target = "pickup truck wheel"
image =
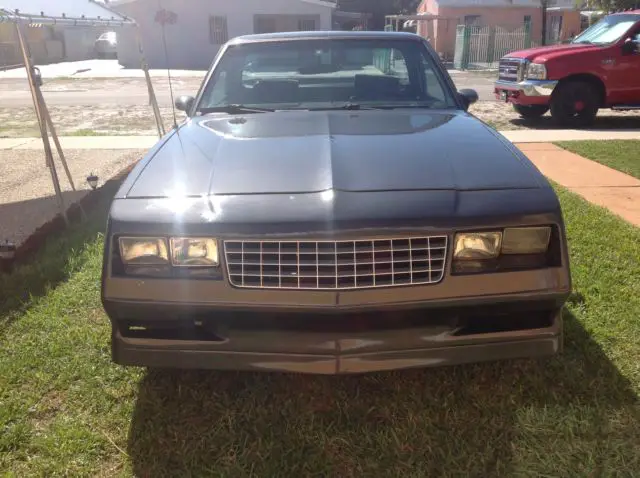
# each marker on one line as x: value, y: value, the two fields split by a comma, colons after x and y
x: 531, y: 111
x: 575, y: 104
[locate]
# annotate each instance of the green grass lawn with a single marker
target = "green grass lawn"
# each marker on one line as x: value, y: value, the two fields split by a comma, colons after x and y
x: 623, y: 155
x: 66, y: 410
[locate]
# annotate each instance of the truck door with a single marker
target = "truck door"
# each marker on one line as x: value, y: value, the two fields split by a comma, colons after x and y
x: 625, y: 72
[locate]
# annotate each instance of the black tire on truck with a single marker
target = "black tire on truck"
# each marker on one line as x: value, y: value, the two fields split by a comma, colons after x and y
x: 575, y: 104
x: 531, y: 111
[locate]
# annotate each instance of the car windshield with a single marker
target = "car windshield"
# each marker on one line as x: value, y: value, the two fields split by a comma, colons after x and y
x: 109, y: 36
x: 608, y: 30
x: 325, y: 74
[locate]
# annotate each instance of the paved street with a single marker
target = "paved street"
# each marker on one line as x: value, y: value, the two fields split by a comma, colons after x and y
x: 99, y: 97
x: 104, y: 82
x: 482, y: 82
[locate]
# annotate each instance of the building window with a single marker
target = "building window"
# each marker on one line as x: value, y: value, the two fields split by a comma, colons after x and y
x: 218, y: 33
x: 470, y: 20
x: 306, y: 25
x: 264, y: 24
x: 527, y: 20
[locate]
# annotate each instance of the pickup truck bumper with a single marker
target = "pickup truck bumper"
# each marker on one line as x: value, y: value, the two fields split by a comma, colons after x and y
x: 528, y: 92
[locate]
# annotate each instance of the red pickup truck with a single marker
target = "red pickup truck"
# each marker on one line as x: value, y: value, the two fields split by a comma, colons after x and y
x: 600, y: 68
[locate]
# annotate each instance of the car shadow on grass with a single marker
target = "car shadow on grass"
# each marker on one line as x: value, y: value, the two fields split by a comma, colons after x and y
x: 574, y: 412
x: 602, y: 123
x: 50, y: 255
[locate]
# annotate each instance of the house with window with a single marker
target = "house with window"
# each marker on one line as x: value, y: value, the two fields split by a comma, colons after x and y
x: 511, y: 18
x: 195, y: 29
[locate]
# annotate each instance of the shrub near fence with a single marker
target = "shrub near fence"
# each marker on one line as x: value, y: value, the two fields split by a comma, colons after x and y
x: 479, y: 47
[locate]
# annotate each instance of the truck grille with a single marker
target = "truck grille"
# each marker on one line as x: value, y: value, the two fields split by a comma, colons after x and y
x: 336, y: 264
x: 511, y: 69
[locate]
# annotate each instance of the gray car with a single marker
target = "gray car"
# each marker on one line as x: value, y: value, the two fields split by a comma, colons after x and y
x: 106, y: 46
x: 330, y: 207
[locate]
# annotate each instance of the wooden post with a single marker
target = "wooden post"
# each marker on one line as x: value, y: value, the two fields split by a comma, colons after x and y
x: 35, y: 94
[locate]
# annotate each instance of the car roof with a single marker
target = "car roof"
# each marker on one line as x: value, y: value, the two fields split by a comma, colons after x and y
x: 316, y: 35
x: 630, y: 12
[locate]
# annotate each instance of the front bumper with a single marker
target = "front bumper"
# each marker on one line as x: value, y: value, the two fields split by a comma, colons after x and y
x: 525, y: 92
x: 299, y: 348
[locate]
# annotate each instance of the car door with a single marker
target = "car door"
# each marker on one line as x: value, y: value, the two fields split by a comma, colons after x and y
x: 625, y: 72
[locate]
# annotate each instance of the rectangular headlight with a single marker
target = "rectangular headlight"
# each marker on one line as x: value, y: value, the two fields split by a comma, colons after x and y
x: 477, y: 245
x: 194, y: 252
x: 526, y: 240
x: 536, y: 71
x: 143, y: 250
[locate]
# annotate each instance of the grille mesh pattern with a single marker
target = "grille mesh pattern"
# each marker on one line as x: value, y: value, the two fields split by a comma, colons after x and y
x: 336, y: 264
x: 511, y: 69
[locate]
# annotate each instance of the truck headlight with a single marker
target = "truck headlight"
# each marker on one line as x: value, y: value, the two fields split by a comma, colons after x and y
x: 526, y: 240
x: 477, y: 245
x: 513, y: 248
x: 143, y: 250
x: 536, y: 71
x: 194, y: 252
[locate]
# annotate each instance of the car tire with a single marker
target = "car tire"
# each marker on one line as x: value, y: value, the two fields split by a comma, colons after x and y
x: 575, y: 104
x: 531, y: 111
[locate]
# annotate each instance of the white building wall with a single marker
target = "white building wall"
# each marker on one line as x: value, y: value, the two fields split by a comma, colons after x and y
x: 188, y: 43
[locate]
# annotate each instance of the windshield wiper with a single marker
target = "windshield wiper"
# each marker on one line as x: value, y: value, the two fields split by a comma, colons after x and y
x: 235, y: 109
x: 347, y: 106
x: 389, y: 106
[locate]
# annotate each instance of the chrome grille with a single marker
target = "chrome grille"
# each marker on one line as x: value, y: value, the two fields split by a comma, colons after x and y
x: 336, y: 264
x: 511, y: 69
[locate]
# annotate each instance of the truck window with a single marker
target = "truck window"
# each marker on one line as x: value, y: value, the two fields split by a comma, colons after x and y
x: 608, y: 30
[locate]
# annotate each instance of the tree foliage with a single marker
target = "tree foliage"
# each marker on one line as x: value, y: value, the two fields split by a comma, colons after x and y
x: 613, y: 5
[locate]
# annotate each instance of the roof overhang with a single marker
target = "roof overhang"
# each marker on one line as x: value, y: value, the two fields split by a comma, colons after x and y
x: 322, y: 3
x: 419, y: 17
x: 61, y: 12
x: 562, y: 9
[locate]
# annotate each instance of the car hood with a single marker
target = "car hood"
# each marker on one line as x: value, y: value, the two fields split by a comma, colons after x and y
x: 546, y: 53
x: 304, y: 152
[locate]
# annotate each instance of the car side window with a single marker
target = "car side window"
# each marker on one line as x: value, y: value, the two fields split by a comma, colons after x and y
x: 218, y: 94
x: 434, y: 85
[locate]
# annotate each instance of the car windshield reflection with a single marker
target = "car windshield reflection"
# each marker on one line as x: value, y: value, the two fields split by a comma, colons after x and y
x: 312, y: 74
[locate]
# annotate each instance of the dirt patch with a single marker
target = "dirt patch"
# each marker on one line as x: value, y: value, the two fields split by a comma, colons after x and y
x: 502, y: 117
x: 68, y: 83
x: 115, y: 120
x: 27, y: 198
x: 86, y: 120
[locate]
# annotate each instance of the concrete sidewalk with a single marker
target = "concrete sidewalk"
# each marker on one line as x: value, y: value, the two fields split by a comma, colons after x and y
x: 598, y: 184
x: 145, y: 142
x: 554, y: 135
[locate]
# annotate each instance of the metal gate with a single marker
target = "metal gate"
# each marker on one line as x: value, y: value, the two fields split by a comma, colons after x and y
x: 479, y: 47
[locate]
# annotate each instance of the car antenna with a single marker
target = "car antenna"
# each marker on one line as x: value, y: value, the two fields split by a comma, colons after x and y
x: 163, y: 17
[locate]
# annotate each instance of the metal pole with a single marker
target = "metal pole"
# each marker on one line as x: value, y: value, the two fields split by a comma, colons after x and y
x: 27, y: 66
x: 51, y: 127
x: 153, y: 101
x: 152, y: 96
x: 54, y: 135
x: 35, y: 94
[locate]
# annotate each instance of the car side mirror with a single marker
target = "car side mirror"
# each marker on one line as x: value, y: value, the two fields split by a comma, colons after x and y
x: 468, y: 97
x: 629, y: 47
x: 184, y: 103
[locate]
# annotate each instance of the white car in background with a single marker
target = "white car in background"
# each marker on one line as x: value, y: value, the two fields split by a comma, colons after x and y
x: 106, y: 46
